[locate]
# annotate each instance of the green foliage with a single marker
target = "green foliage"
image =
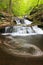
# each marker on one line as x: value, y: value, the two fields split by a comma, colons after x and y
x: 19, y: 7
x: 22, y: 7
x: 4, y: 4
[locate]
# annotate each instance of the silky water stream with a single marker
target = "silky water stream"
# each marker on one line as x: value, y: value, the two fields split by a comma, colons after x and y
x: 23, y: 41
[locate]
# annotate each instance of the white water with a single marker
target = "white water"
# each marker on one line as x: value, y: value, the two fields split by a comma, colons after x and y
x: 23, y: 31
x: 22, y: 42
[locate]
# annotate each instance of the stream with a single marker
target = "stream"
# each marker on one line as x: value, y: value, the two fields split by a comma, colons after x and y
x: 22, y: 30
x: 21, y: 40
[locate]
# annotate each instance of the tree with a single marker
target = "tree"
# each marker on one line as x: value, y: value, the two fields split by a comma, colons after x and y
x: 10, y: 5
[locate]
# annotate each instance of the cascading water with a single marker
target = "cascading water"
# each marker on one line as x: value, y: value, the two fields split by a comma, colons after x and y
x: 22, y: 30
x: 23, y: 39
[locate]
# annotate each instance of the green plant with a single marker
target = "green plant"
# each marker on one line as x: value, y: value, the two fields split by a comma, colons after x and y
x: 19, y: 7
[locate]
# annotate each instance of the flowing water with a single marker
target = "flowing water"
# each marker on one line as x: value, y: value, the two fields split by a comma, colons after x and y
x: 23, y: 40
x: 21, y: 30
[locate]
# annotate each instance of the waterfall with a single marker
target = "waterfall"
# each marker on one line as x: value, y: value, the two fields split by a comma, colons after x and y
x: 21, y: 30
x: 24, y: 44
